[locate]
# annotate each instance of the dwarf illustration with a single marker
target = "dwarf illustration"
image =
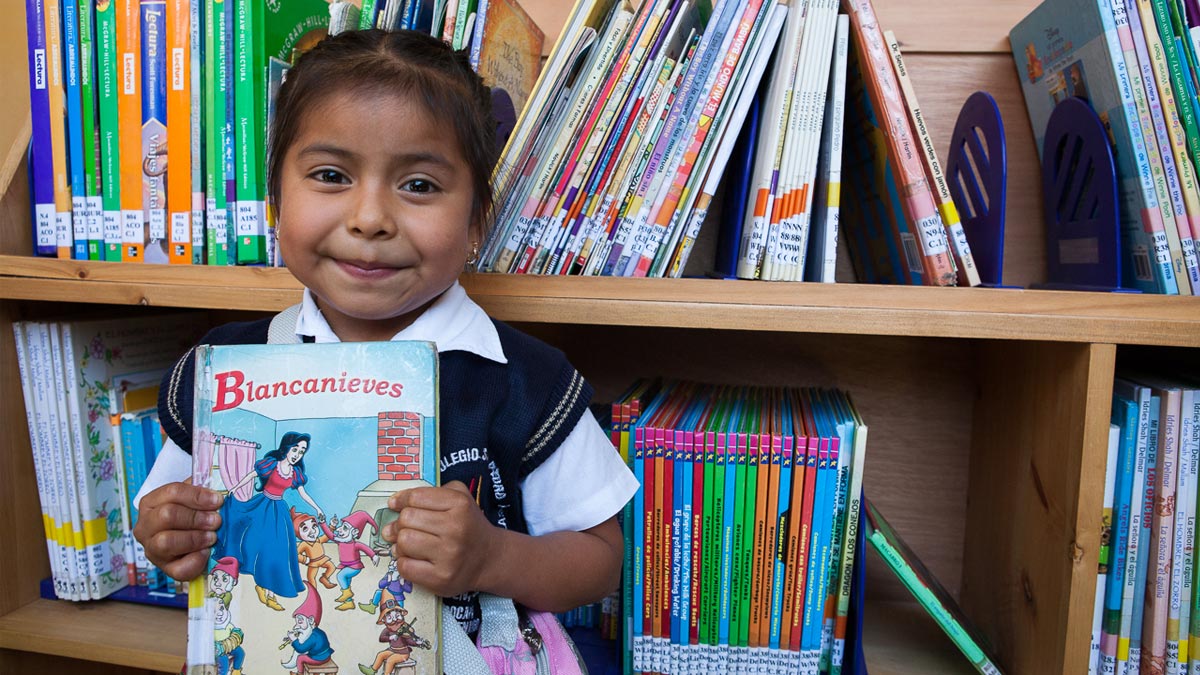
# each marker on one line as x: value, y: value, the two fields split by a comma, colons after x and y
x: 350, y: 551
x: 228, y: 639
x: 310, y: 643
x: 397, y: 585
x: 310, y: 549
x: 399, y: 636
x: 222, y: 578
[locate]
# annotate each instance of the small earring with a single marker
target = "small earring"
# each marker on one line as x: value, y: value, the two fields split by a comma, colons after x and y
x: 474, y: 257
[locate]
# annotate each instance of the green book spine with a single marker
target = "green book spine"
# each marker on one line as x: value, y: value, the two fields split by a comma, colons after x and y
x: 1183, y: 100
x: 749, y: 508
x: 366, y: 17
x: 708, y: 529
x: 251, y: 244
x: 465, y: 9
x: 216, y: 244
x: 110, y: 167
x: 94, y: 209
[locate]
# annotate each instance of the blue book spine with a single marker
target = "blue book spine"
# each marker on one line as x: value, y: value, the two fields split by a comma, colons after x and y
x: 726, y: 448
x: 1147, y: 507
x: 41, y: 163
x: 131, y: 443
x: 1125, y: 416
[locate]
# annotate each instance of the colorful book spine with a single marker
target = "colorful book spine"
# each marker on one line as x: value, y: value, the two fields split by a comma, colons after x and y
x: 154, y: 128
x: 93, y: 205
x: 968, y: 275
x: 917, y: 198
x: 1160, y: 243
x: 41, y: 157
x: 196, y: 122
x: 74, y: 121
x: 1124, y: 415
x: 216, y: 244
x: 110, y: 82
x: 63, y: 229
x: 1146, y: 506
x: 1163, y: 171
x: 1105, y: 553
x: 129, y: 101
x: 251, y: 242
x: 179, y: 132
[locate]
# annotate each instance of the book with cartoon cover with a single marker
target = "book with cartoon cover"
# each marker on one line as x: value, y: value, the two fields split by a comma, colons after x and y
x: 308, y: 442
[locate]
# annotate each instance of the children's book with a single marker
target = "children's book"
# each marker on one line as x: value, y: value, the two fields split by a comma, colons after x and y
x: 308, y: 442
x: 1072, y: 49
x: 925, y: 588
x: 510, y: 52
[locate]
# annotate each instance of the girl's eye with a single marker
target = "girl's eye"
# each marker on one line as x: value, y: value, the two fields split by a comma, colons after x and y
x: 329, y: 176
x: 419, y: 185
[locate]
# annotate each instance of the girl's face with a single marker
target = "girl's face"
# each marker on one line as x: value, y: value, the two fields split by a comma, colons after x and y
x: 376, y: 211
x: 296, y: 452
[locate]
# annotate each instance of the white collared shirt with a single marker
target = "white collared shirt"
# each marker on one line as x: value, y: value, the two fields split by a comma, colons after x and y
x: 580, y: 485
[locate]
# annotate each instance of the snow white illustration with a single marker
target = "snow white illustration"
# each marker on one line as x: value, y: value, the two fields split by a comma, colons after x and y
x: 258, y: 532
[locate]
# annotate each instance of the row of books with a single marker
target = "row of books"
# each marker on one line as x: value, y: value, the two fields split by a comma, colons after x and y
x: 91, y: 394
x: 150, y: 117
x: 1135, y: 62
x: 1146, y: 605
x: 740, y: 541
x: 638, y: 115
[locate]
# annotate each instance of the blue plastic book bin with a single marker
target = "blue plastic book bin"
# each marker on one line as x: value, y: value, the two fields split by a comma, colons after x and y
x: 1079, y: 182
x: 977, y: 176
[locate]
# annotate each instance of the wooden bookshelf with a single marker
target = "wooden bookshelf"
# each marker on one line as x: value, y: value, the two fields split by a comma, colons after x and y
x: 988, y: 408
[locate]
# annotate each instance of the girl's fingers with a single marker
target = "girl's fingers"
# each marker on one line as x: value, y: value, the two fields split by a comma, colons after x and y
x: 168, y: 547
x: 415, y: 544
x: 183, y: 494
x: 188, y: 567
x: 421, y: 572
x: 424, y: 520
x: 433, y: 498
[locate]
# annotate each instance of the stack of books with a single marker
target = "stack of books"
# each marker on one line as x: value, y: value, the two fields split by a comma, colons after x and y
x: 150, y: 117
x: 91, y: 397
x: 1134, y: 62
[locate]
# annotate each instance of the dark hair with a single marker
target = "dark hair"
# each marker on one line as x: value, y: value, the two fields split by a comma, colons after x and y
x: 394, y: 62
x: 289, y: 439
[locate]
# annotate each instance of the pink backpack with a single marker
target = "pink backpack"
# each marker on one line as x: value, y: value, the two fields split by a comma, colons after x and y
x: 517, y: 641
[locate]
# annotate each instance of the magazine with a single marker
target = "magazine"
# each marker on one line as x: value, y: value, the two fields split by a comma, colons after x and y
x: 308, y: 442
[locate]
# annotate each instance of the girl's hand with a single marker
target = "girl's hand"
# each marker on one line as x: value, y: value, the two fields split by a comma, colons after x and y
x: 177, y: 524
x: 441, y: 539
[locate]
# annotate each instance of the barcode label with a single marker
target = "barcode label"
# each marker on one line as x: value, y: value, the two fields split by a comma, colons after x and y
x: 911, y: 253
x: 1141, y: 265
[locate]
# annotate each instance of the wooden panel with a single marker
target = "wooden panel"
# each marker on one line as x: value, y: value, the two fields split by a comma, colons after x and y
x: 900, y: 638
x: 136, y: 636
x: 1036, y: 478
x: 916, y: 468
x: 943, y: 82
x: 14, y: 82
x: 955, y: 27
x: 25, y: 563
x: 16, y: 216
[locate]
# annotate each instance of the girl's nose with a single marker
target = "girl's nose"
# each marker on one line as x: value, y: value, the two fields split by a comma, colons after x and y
x: 371, y: 216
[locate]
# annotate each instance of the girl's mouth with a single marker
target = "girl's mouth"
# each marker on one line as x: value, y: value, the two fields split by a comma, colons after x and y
x: 367, y: 270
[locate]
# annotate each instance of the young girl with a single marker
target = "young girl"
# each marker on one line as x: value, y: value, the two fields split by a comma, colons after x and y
x: 381, y: 155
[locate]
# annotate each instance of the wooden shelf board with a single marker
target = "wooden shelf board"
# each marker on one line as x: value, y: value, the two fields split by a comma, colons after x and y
x: 901, y: 639
x: 138, y: 636
x: 690, y: 303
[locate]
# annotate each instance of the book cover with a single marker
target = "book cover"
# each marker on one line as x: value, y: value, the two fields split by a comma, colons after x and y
x: 925, y: 588
x: 308, y: 442
x: 511, y: 51
x: 1071, y: 49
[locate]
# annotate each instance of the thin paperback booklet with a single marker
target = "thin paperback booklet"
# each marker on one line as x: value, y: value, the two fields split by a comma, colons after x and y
x: 308, y: 442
